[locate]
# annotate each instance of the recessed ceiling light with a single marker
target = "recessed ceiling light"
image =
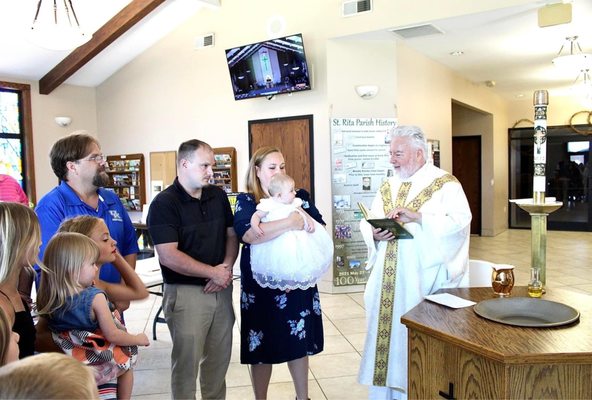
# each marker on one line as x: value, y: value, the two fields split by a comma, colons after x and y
x: 457, y: 53
x: 520, y: 95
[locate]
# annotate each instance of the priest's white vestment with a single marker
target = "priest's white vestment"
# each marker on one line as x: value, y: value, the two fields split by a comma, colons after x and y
x: 436, y: 257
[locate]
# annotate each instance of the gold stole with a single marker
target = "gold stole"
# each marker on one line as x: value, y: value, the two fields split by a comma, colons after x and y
x: 389, y: 273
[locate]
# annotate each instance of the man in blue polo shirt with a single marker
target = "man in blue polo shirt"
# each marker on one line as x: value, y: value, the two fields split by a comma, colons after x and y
x: 78, y: 163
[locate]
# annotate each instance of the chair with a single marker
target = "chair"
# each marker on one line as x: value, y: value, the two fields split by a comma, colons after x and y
x: 148, y: 269
x: 478, y: 275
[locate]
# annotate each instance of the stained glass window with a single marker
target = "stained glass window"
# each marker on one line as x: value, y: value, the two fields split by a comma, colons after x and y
x: 9, y: 112
x: 11, y: 149
x: 10, y: 158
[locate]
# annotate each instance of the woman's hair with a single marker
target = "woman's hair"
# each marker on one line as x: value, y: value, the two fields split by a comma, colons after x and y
x: 73, y: 147
x: 47, y: 376
x: 5, y: 336
x: 278, y: 183
x: 20, y: 236
x: 253, y: 184
x: 414, y: 133
x: 64, y: 256
x: 84, y: 224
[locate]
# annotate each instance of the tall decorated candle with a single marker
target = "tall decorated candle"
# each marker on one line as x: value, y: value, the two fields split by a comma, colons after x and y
x: 541, y: 101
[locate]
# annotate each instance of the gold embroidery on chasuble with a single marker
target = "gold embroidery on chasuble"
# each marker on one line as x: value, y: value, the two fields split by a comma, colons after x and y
x: 389, y: 274
x: 387, y: 294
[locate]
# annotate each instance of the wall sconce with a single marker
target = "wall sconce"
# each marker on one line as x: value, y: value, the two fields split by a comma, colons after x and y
x: 367, y: 91
x: 63, y: 121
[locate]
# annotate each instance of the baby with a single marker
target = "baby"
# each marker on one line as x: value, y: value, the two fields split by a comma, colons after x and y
x: 296, y: 259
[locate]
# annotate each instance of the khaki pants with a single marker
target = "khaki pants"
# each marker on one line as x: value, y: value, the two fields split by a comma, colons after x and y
x: 201, y: 330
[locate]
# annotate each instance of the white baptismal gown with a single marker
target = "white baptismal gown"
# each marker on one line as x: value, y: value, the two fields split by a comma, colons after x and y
x: 295, y: 259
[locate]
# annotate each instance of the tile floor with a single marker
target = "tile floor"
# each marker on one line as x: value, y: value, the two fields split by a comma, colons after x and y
x: 333, y: 372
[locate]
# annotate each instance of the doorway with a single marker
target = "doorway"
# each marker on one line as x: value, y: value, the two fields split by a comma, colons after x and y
x: 466, y: 167
x: 294, y: 136
x: 163, y: 170
x: 568, y: 177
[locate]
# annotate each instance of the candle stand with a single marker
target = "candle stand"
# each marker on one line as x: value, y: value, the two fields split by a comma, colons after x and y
x: 539, y: 207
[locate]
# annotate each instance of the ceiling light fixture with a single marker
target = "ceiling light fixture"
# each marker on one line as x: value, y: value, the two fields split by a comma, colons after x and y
x: 583, y: 87
x: 56, y: 26
x: 576, y: 60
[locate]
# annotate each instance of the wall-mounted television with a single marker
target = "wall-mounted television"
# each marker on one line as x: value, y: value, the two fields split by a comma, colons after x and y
x: 268, y: 68
x: 578, y: 147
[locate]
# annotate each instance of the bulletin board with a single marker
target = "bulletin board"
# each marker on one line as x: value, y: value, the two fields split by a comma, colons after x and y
x: 359, y: 165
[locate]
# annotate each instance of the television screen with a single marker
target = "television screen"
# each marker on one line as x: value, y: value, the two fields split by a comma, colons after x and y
x: 577, y: 147
x: 268, y: 68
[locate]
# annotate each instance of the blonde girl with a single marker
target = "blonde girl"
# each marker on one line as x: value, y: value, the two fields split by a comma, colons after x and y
x: 9, y: 350
x: 20, y: 238
x: 120, y: 294
x: 79, y: 314
x: 96, y: 229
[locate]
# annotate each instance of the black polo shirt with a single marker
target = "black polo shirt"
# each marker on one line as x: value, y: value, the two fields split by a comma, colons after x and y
x: 197, y: 225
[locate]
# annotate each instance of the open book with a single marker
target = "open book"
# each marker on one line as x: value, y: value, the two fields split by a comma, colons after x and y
x: 385, y: 223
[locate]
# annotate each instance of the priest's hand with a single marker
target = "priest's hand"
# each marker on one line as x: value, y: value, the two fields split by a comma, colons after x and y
x: 380, y: 234
x: 404, y: 215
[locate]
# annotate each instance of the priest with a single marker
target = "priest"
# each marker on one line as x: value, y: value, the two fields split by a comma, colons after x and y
x: 431, y: 205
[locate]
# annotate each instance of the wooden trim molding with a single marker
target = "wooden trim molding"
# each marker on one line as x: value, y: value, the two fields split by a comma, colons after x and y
x: 28, y: 159
x: 107, y: 34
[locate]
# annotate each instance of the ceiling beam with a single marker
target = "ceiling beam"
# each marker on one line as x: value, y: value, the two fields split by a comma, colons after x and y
x: 107, y: 34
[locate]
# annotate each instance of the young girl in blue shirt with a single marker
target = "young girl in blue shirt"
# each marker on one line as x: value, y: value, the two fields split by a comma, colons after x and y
x: 80, y: 315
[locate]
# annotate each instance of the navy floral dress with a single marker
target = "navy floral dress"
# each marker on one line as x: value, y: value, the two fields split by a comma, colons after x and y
x: 276, y: 326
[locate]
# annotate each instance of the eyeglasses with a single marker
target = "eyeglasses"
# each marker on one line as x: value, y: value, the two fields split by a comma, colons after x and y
x: 99, y: 158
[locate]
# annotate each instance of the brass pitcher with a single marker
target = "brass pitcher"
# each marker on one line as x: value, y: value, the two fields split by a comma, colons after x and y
x: 502, y: 279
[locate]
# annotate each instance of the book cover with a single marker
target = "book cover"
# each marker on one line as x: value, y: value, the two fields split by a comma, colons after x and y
x: 385, y: 224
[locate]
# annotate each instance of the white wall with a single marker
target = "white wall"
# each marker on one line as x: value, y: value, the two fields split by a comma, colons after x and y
x: 426, y: 92
x: 559, y: 111
x: 351, y: 62
x: 73, y: 101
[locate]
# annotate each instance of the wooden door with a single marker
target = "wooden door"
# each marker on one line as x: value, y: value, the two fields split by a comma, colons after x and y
x: 466, y: 166
x: 294, y: 137
x: 163, y: 167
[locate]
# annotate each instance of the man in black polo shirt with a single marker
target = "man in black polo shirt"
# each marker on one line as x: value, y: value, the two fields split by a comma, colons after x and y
x: 191, y: 225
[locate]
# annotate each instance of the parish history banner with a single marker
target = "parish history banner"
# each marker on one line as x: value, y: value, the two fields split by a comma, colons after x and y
x: 359, y: 165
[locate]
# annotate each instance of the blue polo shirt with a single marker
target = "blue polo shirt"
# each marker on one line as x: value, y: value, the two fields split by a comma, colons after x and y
x: 62, y: 202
